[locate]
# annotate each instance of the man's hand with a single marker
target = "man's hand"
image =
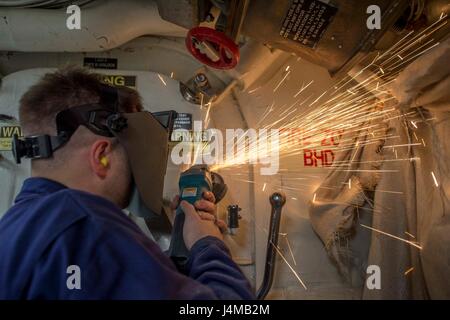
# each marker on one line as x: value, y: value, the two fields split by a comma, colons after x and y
x: 196, y: 228
x: 201, y: 220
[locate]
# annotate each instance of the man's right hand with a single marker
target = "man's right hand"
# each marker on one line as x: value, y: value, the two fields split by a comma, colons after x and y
x: 196, y: 228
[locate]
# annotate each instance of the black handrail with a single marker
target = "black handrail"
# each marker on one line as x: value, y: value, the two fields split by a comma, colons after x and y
x: 277, y: 201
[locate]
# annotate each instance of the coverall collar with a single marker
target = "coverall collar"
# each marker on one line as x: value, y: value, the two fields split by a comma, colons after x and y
x: 38, y: 186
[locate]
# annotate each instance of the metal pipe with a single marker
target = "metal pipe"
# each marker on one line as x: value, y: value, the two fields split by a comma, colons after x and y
x: 277, y: 201
x: 103, y: 27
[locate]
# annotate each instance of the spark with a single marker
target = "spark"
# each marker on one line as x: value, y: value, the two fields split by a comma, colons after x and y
x: 356, y: 151
x: 264, y: 187
x: 282, y: 80
x: 434, y: 179
x: 409, y: 270
x: 303, y: 88
x: 350, y: 183
x: 268, y: 110
x: 162, y: 80
x: 388, y: 191
x: 201, y: 100
x: 287, y: 68
x: 171, y: 74
x: 290, y: 267
x: 392, y: 236
x: 293, y: 198
x: 318, y: 98
x: 282, y: 256
x: 207, y: 114
x: 425, y: 50
x: 423, y: 142
x: 290, y: 249
x: 409, y: 234
x: 288, y: 109
x: 357, y: 108
x: 314, y: 198
x: 254, y: 90
x: 402, y: 145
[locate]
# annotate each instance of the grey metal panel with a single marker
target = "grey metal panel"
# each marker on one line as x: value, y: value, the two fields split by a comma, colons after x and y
x: 345, y: 36
x: 181, y: 12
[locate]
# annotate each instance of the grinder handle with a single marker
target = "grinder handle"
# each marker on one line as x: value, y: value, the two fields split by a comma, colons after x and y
x: 178, y: 250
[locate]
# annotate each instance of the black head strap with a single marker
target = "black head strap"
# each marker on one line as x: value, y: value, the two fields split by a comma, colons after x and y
x: 102, y: 118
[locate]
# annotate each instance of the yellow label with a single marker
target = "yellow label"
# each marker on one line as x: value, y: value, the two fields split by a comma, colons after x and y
x: 120, y: 80
x: 5, y: 144
x: 6, y: 134
x: 189, y: 192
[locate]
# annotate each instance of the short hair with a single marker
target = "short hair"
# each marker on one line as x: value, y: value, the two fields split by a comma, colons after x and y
x: 61, y: 90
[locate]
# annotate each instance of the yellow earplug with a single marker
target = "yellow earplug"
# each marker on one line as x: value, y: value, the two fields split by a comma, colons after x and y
x: 104, y: 161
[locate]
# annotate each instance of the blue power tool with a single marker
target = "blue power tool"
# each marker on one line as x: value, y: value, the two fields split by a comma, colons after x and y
x: 193, y: 183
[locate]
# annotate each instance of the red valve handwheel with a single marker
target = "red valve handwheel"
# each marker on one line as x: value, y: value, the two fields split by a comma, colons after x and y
x: 224, y: 47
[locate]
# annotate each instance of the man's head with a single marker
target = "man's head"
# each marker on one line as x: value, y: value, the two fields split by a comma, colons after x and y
x: 87, y: 162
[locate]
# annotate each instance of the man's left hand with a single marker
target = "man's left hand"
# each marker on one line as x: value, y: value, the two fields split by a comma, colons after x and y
x: 206, y: 209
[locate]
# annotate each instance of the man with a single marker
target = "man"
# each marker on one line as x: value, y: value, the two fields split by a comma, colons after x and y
x: 66, y: 236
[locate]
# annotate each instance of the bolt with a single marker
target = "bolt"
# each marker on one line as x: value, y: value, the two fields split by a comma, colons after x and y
x: 201, y: 80
x: 209, y: 18
x: 277, y: 199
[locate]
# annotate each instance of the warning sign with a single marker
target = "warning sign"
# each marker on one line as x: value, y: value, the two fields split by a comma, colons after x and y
x: 100, y: 63
x: 120, y: 81
x: 319, y: 148
x: 6, y: 134
x: 187, y: 134
x: 306, y: 21
x: 183, y: 121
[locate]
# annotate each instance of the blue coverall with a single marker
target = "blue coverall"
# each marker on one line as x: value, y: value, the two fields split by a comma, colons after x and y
x: 51, y: 227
